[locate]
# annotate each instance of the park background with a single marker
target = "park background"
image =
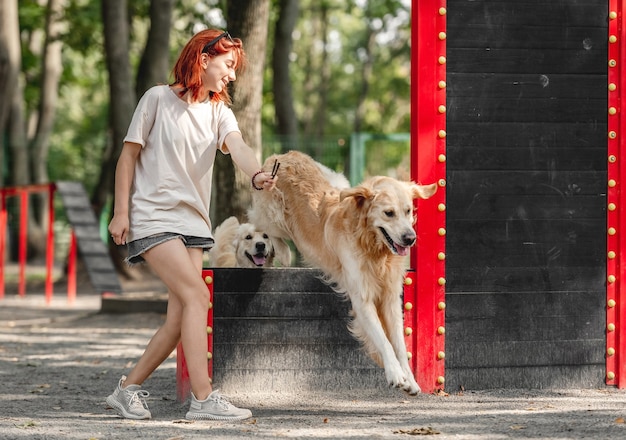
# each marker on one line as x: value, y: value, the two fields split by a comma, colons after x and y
x: 317, y: 73
x: 526, y: 139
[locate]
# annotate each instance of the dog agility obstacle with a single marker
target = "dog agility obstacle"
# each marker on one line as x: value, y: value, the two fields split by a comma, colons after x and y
x: 519, y: 257
x: 260, y: 338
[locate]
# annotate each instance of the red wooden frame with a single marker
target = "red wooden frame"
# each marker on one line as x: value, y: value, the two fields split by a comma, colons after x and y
x: 23, y: 192
x: 183, y: 386
x: 616, y: 197
x: 428, y: 160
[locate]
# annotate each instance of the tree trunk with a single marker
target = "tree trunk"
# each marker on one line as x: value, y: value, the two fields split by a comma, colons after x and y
x: 121, y: 107
x: 322, y: 87
x: 366, y: 76
x: 18, y: 159
x: 286, y: 120
x: 247, y: 20
x: 155, y: 63
x: 121, y: 92
x: 18, y: 144
x: 51, y: 70
x: 10, y: 61
x: 50, y: 76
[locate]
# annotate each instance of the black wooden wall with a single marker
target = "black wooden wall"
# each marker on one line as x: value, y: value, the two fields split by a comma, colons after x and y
x: 284, y: 329
x: 526, y: 173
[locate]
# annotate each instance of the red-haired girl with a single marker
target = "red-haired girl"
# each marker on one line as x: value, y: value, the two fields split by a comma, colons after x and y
x: 162, y: 197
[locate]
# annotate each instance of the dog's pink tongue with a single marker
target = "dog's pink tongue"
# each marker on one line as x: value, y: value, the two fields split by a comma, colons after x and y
x: 259, y: 260
x: 402, y: 251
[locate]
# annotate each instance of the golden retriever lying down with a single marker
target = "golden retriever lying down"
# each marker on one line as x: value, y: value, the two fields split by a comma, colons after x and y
x: 358, y: 237
x: 243, y: 245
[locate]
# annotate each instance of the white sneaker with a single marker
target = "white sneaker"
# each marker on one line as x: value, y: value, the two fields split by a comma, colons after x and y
x: 129, y: 402
x: 215, y: 407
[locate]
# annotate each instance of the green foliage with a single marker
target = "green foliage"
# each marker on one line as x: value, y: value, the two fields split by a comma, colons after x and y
x: 31, y: 15
x: 84, y: 30
x: 79, y: 138
x: 328, y: 54
x: 387, y: 157
x: 348, y: 26
x: 80, y: 130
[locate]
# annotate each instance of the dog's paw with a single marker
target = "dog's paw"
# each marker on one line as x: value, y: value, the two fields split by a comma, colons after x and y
x: 395, y: 377
x: 411, y: 387
x: 406, y: 382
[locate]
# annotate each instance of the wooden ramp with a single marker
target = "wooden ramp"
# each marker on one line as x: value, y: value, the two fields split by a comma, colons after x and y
x: 92, y: 250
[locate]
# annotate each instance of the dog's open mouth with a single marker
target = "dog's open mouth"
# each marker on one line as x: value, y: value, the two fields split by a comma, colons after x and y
x: 393, y: 246
x: 258, y: 259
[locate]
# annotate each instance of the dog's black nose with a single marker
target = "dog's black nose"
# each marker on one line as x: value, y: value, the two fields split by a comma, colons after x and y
x: 259, y: 246
x: 408, y: 239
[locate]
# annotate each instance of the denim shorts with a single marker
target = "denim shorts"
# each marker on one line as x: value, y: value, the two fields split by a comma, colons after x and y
x: 137, y: 247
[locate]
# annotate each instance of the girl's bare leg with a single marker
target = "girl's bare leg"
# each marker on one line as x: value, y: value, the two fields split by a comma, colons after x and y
x: 180, y: 268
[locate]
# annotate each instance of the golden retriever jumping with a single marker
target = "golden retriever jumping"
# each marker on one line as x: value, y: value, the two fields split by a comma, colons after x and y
x: 358, y: 237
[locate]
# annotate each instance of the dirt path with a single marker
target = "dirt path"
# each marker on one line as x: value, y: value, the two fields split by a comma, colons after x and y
x: 58, y: 363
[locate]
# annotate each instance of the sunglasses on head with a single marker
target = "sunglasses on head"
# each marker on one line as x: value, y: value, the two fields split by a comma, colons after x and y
x: 215, y: 40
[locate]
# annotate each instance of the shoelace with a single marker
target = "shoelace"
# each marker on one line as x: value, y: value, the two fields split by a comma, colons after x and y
x: 221, y: 401
x: 137, y: 399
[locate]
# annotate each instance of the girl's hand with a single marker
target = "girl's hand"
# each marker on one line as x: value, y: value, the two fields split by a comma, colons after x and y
x: 119, y: 229
x: 262, y: 180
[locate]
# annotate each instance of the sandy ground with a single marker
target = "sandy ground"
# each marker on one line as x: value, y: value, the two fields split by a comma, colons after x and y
x: 58, y: 362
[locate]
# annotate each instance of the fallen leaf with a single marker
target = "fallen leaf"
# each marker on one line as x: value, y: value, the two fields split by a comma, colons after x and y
x: 183, y: 421
x: 417, y: 431
x: 326, y: 420
x: 517, y: 427
x: 620, y: 420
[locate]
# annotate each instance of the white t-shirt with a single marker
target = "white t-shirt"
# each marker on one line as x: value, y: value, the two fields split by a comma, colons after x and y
x: 171, y: 190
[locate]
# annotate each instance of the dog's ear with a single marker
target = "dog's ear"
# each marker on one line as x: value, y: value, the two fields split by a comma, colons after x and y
x: 360, y: 194
x: 423, y: 191
x: 282, y: 252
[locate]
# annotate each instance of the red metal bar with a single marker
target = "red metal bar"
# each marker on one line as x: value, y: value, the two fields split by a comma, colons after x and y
x: 23, y: 234
x: 71, y: 269
x: 183, y: 386
x: 428, y: 123
x: 3, y: 242
x: 616, y: 199
x: 12, y: 191
x: 50, y: 246
x: 621, y: 129
x: 23, y: 192
x: 410, y: 319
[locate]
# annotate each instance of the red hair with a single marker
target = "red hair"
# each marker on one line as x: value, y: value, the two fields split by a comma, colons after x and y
x: 187, y: 70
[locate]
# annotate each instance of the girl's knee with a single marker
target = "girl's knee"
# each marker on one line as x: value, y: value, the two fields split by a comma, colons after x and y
x: 199, y: 300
